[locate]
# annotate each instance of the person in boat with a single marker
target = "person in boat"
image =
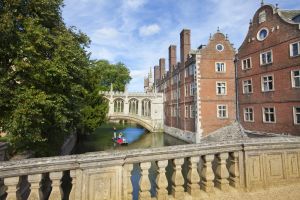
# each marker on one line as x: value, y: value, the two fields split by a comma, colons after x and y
x: 115, y: 132
x: 120, y: 135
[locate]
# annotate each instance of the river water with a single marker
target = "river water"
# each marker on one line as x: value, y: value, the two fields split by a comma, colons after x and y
x: 137, y: 138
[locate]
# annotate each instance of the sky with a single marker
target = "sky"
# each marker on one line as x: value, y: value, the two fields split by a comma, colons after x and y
x: 139, y: 32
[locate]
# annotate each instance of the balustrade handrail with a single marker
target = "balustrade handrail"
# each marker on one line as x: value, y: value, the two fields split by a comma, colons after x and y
x: 120, y: 158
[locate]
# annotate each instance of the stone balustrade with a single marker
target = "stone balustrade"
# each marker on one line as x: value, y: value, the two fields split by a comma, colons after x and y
x: 186, y: 171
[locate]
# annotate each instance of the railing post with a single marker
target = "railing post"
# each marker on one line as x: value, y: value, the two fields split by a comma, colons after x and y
x: 72, y: 195
x: 56, y: 192
x: 35, y: 185
x: 193, y: 187
x: 12, y: 191
x: 161, y: 180
x: 127, y: 187
x: 222, y: 173
x: 207, y: 174
x: 234, y: 173
x: 145, y: 185
x: 177, y: 179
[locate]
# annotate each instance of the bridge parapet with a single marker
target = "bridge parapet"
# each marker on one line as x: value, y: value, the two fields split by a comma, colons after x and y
x: 223, y: 167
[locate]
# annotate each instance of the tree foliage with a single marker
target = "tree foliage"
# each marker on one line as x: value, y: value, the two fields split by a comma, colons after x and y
x: 48, y: 85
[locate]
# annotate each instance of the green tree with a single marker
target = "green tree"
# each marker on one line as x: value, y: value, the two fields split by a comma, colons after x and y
x: 47, y: 87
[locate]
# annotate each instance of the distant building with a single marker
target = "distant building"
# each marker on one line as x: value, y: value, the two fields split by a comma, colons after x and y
x: 149, y: 82
x: 268, y: 72
x: 199, y: 91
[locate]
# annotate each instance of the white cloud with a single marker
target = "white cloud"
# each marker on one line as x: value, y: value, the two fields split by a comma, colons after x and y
x: 149, y: 30
x: 134, y: 4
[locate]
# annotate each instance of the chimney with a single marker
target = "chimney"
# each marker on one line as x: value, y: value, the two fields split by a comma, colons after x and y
x: 172, y: 58
x: 162, y: 67
x: 185, y: 45
x: 156, y: 74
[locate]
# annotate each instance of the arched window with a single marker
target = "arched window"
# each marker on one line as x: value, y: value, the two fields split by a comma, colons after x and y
x: 133, y: 106
x: 119, y: 105
x: 146, y: 108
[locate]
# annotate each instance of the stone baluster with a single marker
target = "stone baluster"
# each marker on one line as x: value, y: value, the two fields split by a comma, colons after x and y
x: 207, y: 174
x: 72, y: 195
x: 35, y: 187
x: 177, y: 179
x: 127, y: 182
x: 193, y: 187
x: 56, y: 192
x: 234, y: 173
x: 145, y: 184
x: 161, y: 180
x: 222, y: 173
x: 12, y: 191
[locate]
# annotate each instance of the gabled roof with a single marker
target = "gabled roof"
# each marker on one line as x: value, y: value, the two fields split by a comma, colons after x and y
x: 289, y: 15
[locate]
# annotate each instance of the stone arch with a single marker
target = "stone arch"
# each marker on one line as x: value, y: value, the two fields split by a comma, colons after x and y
x: 146, y: 107
x: 133, y: 106
x: 144, y: 123
x: 119, y: 105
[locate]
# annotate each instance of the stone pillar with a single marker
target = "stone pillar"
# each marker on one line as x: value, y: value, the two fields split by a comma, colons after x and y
x: 72, y: 195
x: 234, y: 172
x: 207, y: 174
x: 177, y: 179
x: 12, y: 191
x: 127, y: 187
x: 222, y: 174
x: 56, y: 192
x: 161, y: 180
x: 126, y: 106
x: 35, y: 185
x: 193, y: 187
x: 145, y: 185
x: 140, y: 108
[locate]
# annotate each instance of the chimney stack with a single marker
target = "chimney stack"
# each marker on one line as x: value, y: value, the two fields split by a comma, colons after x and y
x: 162, y: 67
x: 156, y: 74
x: 172, y: 58
x: 185, y: 45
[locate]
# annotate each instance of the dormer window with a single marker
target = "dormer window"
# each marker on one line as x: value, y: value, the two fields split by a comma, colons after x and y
x: 262, y: 17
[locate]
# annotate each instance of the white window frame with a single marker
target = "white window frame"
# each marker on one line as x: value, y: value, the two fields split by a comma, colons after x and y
x: 217, y: 88
x: 218, y: 109
x: 264, y: 116
x: 191, y: 89
x: 295, y: 114
x: 266, y: 52
x: 224, y: 67
x: 291, y: 49
x: 262, y: 83
x: 247, y: 67
x: 186, y: 111
x: 244, y: 92
x: 186, y: 90
x: 248, y: 112
x: 293, y: 78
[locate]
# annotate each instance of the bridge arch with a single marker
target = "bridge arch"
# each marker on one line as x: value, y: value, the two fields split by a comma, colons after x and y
x: 146, y: 107
x: 133, y: 106
x: 119, y: 105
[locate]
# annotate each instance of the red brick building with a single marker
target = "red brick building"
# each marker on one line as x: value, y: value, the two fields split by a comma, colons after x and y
x: 268, y: 72
x: 200, y: 89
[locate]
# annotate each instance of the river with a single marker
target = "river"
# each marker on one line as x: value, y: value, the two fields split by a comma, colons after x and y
x: 137, y: 138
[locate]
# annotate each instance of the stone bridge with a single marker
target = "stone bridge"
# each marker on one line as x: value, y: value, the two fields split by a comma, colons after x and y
x: 145, y: 109
x: 252, y: 169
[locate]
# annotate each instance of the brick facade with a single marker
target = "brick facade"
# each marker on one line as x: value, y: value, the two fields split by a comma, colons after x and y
x: 280, y: 95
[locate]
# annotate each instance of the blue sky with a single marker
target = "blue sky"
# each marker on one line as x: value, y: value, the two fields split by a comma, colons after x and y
x: 139, y: 32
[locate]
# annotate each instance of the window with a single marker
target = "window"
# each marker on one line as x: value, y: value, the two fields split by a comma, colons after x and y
x: 221, y: 88
x: 220, y: 67
x: 294, y: 49
x: 186, y: 111
x: 267, y: 83
x: 219, y: 47
x: 296, y: 111
x: 246, y: 64
x: 262, y: 34
x: 296, y: 78
x: 266, y: 58
x: 262, y: 17
x: 248, y: 115
x: 269, y: 115
x: 222, y: 111
x: 247, y: 86
x: 192, y: 89
x: 186, y: 90
x: 192, y: 111
x: 191, y: 69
